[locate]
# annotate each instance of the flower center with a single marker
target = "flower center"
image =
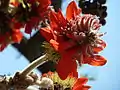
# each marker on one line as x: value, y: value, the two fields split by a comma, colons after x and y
x: 81, y: 29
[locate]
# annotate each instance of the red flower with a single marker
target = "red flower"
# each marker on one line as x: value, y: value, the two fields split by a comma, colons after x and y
x: 72, y: 82
x: 66, y: 64
x: 10, y: 37
x: 75, y: 37
x: 30, y: 13
x: 41, y: 11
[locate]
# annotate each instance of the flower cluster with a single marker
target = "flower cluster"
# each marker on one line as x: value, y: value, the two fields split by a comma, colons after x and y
x: 71, y: 39
x: 17, y: 14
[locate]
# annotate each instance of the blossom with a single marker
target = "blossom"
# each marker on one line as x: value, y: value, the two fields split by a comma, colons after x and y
x: 10, y: 37
x: 75, y: 37
x: 71, y: 83
x: 30, y: 13
x: 8, y: 34
x: 41, y: 10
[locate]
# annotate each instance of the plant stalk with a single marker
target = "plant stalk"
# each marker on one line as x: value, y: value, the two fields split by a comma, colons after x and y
x: 39, y: 61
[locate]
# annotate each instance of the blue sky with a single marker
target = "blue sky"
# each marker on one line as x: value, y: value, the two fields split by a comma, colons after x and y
x: 107, y: 77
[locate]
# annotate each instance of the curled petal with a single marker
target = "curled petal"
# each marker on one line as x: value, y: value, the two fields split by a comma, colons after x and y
x: 102, y: 43
x: 72, y: 10
x: 100, y: 47
x: 88, y: 19
x: 97, y: 49
x: 96, y: 60
x: 84, y: 23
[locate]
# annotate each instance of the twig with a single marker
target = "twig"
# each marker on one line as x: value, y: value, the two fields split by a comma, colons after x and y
x: 39, y: 61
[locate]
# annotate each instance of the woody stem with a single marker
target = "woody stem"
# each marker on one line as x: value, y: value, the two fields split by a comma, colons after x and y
x: 39, y: 61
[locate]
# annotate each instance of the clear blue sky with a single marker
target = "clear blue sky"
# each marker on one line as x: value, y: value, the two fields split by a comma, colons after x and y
x: 107, y: 77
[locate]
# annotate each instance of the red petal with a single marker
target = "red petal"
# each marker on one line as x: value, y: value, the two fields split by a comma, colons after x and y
x: 97, y: 49
x: 17, y: 36
x: 31, y: 24
x: 86, y: 87
x: 62, y: 46
x: 2, y: 38
x: 44, y: 3
x: 81, y: 87
x: 57, y: 20
x: 34, y: 21
x: 86, y: 22
x: 55, y: 44
x: 3, y: 46
x: 80, y: 81
x: 54, y: 20
x: 101, y: 46
x: 61, y: 18
x: 28, y: 28
x: 102, y: 43
x: 17, y: 25
x: 74, y: 71
x: 79, y: 84
x: 46, y: 32
x: 83, y: 22
x: 66, y: 65
x: 96, y: 60
x: 72, y: 10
